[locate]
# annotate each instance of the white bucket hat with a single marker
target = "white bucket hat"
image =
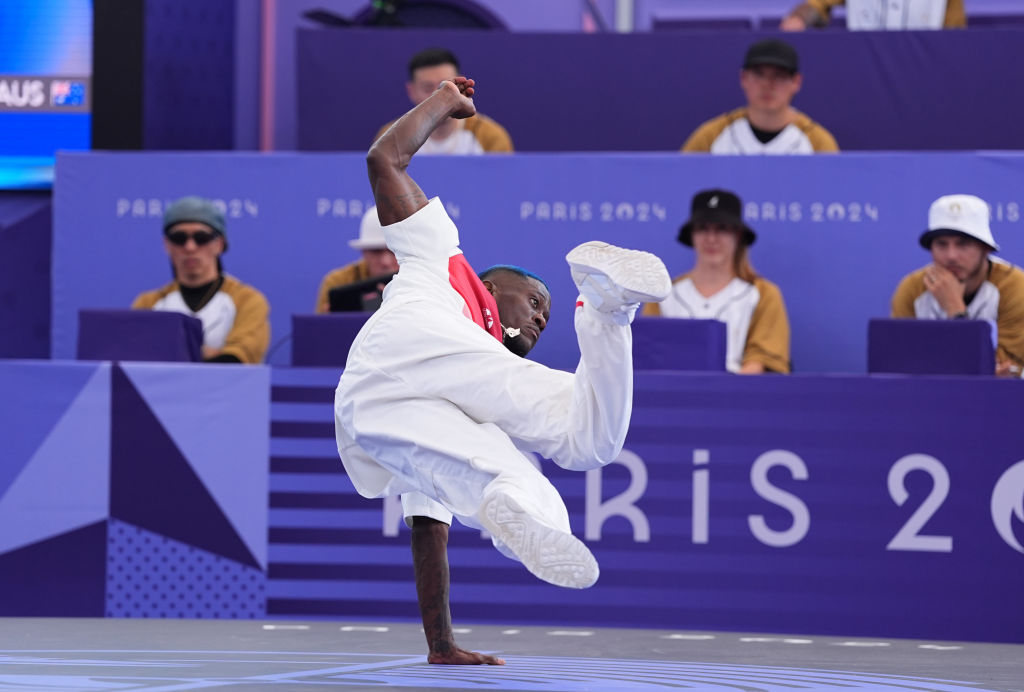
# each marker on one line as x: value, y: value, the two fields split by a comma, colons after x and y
x: 371, y: 234
x: 964, y: 214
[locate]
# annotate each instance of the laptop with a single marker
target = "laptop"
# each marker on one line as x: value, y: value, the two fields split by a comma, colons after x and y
x: 358, y: 296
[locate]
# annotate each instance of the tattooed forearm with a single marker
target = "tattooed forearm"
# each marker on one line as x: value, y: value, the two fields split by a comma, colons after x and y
x: 397, y: 195
x: 401, y: 206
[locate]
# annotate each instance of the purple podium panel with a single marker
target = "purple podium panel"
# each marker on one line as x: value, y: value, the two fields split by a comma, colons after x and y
x: 842, y: 505
x: 661, y: 343
x: 931, y: 347
x: 139, y: 335
x: 133, y: 489
x: 54, y: 487
x: 324, y: 340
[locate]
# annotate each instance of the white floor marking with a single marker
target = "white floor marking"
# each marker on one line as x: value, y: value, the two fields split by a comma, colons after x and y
x: 939, y: 647
x: 695, y: 637
x: 864, y: 644
x: 511, y: 631
x: 570, y: 633
x: 360, y: 628
x: 286, y: 627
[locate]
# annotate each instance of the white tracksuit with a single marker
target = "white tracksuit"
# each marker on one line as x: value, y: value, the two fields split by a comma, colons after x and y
x: 431, y: 402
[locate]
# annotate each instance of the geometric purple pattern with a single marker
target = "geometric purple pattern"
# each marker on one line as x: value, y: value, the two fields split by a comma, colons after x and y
x: 62, y: 576
x: 153, y: 485
x: 153, y: 576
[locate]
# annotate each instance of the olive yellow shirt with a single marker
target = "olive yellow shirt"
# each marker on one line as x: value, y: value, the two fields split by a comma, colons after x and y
x: 999, y: 300
x: 757, y: 327
x: 491, y: 136
x: 730, y: 133
x: 342, y: 276
x: 818, y: 12
x: 235, y: 320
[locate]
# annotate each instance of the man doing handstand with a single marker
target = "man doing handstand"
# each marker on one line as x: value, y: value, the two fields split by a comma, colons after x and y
x: 431, y: 404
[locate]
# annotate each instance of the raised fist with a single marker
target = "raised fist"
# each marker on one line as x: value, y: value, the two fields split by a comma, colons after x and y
x: 462, y: 89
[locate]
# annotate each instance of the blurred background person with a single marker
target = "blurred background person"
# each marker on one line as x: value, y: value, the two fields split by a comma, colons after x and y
x: 235, y: 316
x: 964, y: 281
x: 768, y: 124
x: 476, y: 135
x: 376, y: 261
x: 871, y: 15
x: 722, y: 285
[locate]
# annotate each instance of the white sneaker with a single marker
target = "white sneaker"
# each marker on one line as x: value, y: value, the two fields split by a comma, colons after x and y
x: 557, y: 557
x: 613, y: 279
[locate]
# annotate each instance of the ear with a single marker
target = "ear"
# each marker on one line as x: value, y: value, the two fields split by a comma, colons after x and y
x: 798, y: 81
x: 491, y: 287
x: 409, y: 89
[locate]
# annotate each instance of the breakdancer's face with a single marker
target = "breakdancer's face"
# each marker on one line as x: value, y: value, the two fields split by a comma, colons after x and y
x: 524, y: 304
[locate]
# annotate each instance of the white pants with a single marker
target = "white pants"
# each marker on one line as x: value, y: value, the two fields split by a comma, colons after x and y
x: 430, y: 403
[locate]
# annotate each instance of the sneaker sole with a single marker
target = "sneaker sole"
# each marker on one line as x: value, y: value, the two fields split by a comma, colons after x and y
x: 551, y: 555
x: 641, y: 275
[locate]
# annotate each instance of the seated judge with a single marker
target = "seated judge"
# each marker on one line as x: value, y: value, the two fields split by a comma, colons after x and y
x: 376, y: 261
x: 722, y: 285
x: 235, y: 316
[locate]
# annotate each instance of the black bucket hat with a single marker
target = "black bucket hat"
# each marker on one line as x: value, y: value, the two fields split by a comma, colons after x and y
x: 716, y: 206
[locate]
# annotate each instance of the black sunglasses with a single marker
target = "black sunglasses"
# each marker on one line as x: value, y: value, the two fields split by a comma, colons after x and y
x: 200, y: 238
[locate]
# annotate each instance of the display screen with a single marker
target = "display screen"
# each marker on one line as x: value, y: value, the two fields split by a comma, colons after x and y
x: 45, y: 86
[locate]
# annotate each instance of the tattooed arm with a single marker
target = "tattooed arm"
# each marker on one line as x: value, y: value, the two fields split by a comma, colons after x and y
x: 396, y: 194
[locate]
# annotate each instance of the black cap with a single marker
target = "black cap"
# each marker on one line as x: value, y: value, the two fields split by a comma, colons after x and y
x: 716, y: 206
x: 772, y: 51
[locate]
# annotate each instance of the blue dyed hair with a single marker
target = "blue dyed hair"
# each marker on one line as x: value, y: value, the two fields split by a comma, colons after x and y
x: 486, y: 273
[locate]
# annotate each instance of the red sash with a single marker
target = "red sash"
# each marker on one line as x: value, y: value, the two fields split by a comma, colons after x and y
x: 480, y: 304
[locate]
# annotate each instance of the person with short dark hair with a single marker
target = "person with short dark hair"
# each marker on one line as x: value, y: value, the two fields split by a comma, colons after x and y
x: 768, y: 124
x: 724, y: 286
x: 964, y: 281
x: 235, y: 316
x: 476, y: 135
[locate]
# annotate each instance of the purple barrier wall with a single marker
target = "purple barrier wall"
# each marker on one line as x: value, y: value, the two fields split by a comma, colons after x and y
x: 580, y: 92
x: 189, y: 74
x: 836, y: 233
x: 521, y: 15
x: 25, y: 242
x: 809, y: 505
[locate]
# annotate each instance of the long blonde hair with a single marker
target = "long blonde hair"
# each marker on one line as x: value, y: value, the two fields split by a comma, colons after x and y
x: 741, y: 263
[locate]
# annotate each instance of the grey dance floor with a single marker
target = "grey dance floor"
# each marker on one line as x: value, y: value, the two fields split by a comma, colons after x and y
x: 40, y: 654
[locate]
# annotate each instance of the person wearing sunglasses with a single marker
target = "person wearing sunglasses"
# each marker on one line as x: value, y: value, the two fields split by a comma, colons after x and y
x: 235, y: 316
